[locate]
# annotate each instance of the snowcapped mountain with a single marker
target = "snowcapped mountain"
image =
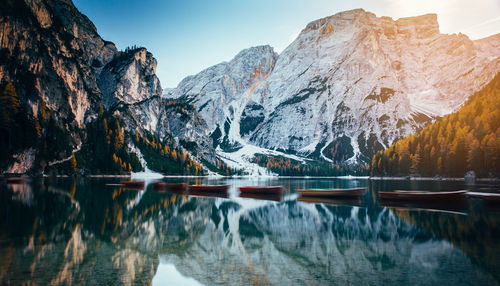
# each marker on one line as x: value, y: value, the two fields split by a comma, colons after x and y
x: 349, y: 85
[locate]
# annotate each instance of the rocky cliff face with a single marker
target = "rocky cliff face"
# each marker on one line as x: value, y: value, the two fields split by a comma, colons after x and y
x: 349, y: 85
x: 61, y: 66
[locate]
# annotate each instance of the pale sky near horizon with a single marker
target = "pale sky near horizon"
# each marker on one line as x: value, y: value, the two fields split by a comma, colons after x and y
x: 189, y: 36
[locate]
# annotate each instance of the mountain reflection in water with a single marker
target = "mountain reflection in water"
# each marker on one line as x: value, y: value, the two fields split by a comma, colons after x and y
x: 69, y: 231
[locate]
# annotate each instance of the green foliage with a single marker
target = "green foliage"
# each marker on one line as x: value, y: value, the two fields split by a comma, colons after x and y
x: 468, y: 139
x: 288, y: 167
x: 105, y: 151
x: 163, y: 157
x: 18, y: 129
x: 10, y: 106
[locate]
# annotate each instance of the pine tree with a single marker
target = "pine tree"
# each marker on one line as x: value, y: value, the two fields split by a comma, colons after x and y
x: 475, y: 156
x: 9, y: 101
x: 9, y: 108
x: 73, y: 162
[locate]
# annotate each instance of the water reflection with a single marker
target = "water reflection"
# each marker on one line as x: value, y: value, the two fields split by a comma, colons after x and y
x: 73, y: 231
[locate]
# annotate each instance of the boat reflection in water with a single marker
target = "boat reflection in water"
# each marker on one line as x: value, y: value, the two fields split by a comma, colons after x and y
x: 331, y: 201
x: 69, y: 232
x: 278, y: 197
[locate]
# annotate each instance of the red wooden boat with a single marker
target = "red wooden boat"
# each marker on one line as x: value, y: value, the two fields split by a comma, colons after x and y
x: 333, y: 193
x: 133, y: 184
x: 422, y: 196
x: 263, y: 197
x: 262, y: 190
x: 15, y: 180
x: 209, y: 188
x: 487, y: 197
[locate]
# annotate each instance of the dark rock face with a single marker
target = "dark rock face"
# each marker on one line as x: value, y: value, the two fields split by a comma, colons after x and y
x: 58, y: 62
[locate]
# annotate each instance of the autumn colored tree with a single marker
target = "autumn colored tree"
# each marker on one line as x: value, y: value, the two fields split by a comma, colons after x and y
x: 468, y: 139
x: 9, y: 106
x: 73, y: 162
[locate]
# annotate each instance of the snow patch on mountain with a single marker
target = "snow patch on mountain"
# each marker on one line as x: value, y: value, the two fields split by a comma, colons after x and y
x: 242, y: 159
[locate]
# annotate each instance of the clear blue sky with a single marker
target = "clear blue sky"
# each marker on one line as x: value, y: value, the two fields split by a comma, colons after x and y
x: 186, y: 36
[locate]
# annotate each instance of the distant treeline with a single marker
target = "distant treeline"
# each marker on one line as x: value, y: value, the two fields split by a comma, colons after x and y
x: 288, y: 167
x: 162, y: 156
x: 467, y: 140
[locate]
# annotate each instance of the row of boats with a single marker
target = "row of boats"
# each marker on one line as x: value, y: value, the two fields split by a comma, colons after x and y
x: 353, y: 193
x: 276, y: 192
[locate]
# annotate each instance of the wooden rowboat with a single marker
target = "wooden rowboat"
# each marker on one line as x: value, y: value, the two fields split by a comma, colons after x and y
x: 333, y: 193
x: 133, y: 184
x: 277, y: 190
x: 487, y: 197
x: 208, y: 188
x: 422, y: 196
x: 15, y: 180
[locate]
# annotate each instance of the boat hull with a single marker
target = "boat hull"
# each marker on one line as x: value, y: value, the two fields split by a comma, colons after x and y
x: 493, y: 198
x: 276, y: 190
x: 133, y: 184
x: 422, y: 196
x: 208, y: 188
x: 14, y: 181
x: 332, y: 193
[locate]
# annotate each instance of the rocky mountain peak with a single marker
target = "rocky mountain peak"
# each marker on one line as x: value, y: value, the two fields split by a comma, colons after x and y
x: 349, y: 22
x: 348, y: 85
x: 259, y: 61
x: 254, y: 52
x: 424, y: 26
x: 129, y: 78
x: 64, y: 73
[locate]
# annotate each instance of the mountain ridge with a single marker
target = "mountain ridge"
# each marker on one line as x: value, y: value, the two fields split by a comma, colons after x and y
x: 381, y: 79
x: 66, y: 78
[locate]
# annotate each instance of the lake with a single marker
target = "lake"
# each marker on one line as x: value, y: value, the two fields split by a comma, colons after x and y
x: 80, y: 231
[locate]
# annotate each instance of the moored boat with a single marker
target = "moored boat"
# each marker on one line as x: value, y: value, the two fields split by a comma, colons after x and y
x: 262, y: 190
x: 333, y: 193
x: 487, y: 197
x: 133, y: 184
x: 15, y: 180
x: 208, y: 188
x: 428, y: 196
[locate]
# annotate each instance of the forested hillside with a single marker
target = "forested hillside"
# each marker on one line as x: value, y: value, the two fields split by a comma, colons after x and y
x: 466, y: 140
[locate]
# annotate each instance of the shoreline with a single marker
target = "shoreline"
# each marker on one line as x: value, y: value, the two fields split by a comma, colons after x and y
x: 215, y: 177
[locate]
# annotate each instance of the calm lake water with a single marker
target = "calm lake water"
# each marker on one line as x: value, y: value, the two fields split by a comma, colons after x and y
x: 67, y: 231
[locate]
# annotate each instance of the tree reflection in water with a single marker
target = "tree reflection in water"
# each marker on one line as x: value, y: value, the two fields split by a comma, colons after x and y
x: 75, y: 231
